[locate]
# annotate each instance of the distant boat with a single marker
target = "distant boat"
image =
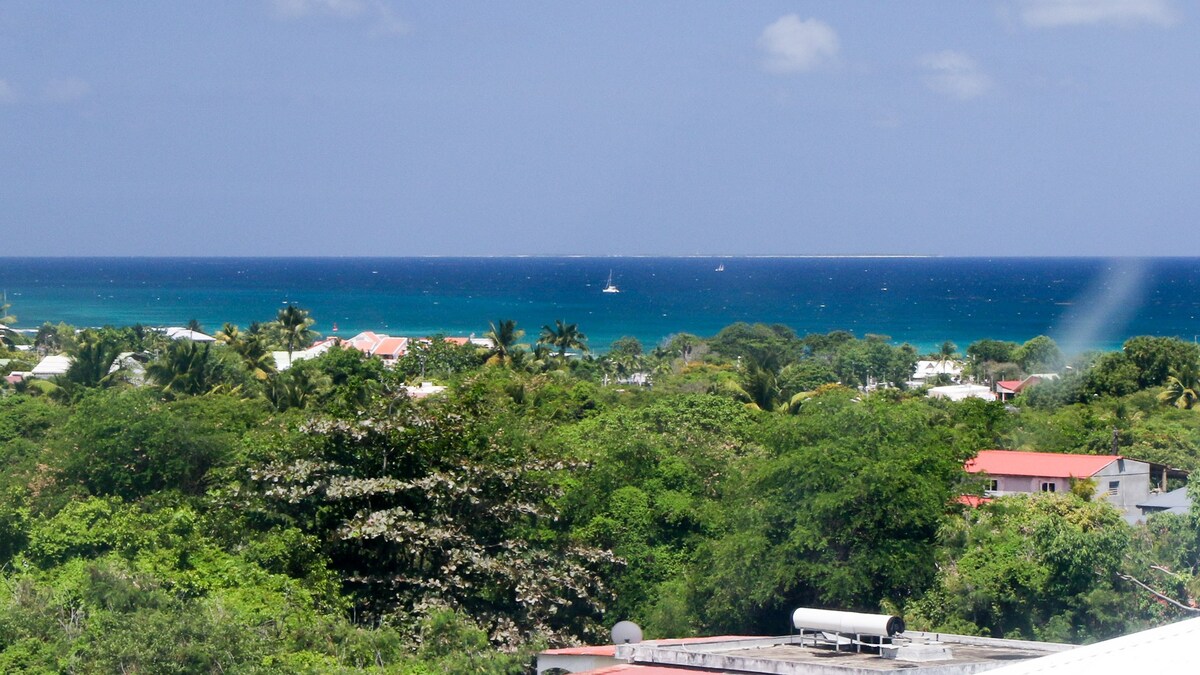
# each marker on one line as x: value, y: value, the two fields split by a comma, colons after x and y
x: 609, y: 287
x: 720, y: 268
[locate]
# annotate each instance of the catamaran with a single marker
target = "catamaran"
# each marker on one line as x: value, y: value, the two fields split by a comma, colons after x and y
x: 609, y: 287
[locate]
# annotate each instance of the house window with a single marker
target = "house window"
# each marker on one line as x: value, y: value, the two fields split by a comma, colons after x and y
x: 1113, y: 486
x: 995, y: 485
x: 1049, y: 487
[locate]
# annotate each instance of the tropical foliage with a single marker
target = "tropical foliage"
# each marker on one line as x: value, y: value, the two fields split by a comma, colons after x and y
x: 225, y: 517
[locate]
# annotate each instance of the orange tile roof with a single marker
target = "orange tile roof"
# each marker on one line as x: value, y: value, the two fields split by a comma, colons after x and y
x: 1038, y: 464
x: 363, y: 342
x: 392, y: 346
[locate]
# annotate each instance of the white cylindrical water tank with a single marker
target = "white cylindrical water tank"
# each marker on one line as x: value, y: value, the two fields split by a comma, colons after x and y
x: 834, y: 621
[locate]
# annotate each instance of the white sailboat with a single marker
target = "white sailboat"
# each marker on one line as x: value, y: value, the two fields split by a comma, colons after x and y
x: 609, y: 287
x: 720, y: 268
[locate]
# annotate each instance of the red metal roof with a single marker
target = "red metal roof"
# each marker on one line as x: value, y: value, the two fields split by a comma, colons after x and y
x: 602, y: 650
x: 1011, y: 385
x: 611, y: 650
x: 637, y: 669
x: 1038, y: 464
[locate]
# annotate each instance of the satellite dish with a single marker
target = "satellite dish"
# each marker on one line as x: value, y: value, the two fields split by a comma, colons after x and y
x: 626, y: 632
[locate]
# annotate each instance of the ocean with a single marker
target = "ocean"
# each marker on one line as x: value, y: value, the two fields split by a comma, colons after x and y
x: 1084, y: 303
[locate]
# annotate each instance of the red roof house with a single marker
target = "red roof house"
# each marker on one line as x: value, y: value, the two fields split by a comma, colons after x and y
x: 1006, y: 389
x: 1038, y: 464
x: 1121, y: 481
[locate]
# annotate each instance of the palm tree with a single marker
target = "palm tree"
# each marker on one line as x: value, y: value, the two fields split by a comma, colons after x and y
x: 761, y: 385
x: 564, y: 336
x: 93, y: 359
x: 503, y: 335
x: 296, y: 388
x: 251, y: 347
x: 184, y: 368
x: 1183, y: 389
x: 7, y: 334
x: 5, y: 305
x: 946, y: 352
x: 295, y: 324
x: 229, y: 334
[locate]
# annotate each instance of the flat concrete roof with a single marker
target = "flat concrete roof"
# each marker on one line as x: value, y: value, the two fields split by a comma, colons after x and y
x: 792, y: 655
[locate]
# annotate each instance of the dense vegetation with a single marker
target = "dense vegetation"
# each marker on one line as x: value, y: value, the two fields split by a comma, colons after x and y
x: 223, y: 517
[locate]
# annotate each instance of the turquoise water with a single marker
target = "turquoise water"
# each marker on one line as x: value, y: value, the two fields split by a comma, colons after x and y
x: 1082, y: 302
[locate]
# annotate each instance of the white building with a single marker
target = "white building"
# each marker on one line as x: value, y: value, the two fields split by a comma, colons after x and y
x: 181, y: 333
x: 961, y: 392
x: 426, y: 389
x: 52, y: 366
x: 927, y: 370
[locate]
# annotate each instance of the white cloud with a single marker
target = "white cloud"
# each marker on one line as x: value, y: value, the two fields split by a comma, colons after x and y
x: 795, y: 45
x: 1054, y: 13
x: 954, y: 74
x: 379, y: 13
x: 7, y: 93
x: 66, y: 90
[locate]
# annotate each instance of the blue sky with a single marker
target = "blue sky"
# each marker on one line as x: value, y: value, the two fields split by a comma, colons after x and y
x: 380, y: 127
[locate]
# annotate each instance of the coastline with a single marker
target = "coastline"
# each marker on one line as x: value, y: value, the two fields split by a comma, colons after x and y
x: 920, y: 300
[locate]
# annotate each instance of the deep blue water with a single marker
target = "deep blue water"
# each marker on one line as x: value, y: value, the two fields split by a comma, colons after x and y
x: 1082, y: 302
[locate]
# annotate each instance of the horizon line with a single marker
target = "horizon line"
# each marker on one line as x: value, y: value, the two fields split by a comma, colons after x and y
x: 685, y: 256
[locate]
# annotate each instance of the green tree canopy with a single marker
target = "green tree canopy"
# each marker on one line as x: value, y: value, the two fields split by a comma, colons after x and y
x: 769, y: 347
x: 1039, y: 355
x: 1041, y: 567
x: 832, y: 519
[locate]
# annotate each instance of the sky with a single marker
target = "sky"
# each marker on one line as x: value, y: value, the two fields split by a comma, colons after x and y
x: 394, y: 128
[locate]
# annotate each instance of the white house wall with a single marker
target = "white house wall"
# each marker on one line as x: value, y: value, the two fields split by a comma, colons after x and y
x: 1131, y: 476
x: 1133, y: 484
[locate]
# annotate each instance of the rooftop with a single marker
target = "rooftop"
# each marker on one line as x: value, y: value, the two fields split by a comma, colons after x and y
x: 1175, y: 501
x: 812, y: 654
x: 1038, y: 464
x: 1166, y: 649
x: 959, y: 392
x: 181, y: 333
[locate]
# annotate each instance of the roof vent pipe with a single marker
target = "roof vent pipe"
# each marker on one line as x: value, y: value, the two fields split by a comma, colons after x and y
x: 833, y: 621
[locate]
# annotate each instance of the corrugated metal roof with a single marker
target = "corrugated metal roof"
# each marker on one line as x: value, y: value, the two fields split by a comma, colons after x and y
x: 1175, y: 499
x: 56, y: 364
x: 1038, y: 464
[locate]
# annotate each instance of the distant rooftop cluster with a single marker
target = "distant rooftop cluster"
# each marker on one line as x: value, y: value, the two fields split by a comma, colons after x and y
x: 388, y: 348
